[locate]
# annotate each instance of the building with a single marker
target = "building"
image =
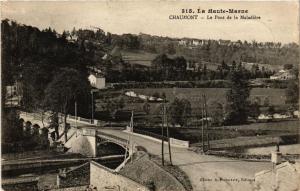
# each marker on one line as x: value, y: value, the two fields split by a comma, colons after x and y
x: 283, y: 75
x: 284, y: 177
x: 183, y: 42
x: 97, y: 80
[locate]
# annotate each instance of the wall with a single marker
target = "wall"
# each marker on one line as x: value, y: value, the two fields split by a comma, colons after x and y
x: 145, y: 170
x: 78, y: 176
x: 100, y: 83
x: 173, y: 142
x: 284, y: 177
x: 85, y: 145
x: 20, y: 184
x: 105, y: 179
x: 179, y: 143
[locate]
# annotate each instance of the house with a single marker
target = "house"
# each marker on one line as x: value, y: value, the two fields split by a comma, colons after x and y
x: 97, y: 80
x: 13, y: 94
x: 284, y: 177
x: 72, y: 38
x: 195, y: 42
x: 183, y: 42
x: 296, y: 114
x: 11, y: 90
x: 131, y: 94
x: 283, y: 75
x: 192, y: 65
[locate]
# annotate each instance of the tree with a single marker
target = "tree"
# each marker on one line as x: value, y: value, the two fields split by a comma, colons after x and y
x: 266, y: 102
x: 113, y: 105
x: 179, y: 111
x: 288, y: 66
x: 237, y: 98
x: 146, y: 108
x: 121, y: 103
x: 11, y: 128
x: 217, y: 113
x: 156, y: 94
x: 254, y: 110
x: 292, y: 92
x: 171, y: 49
x: 62, y: 92
x: 271, y: 110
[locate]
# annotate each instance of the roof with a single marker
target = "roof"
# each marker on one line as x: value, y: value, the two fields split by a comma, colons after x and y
x: 97, y: 75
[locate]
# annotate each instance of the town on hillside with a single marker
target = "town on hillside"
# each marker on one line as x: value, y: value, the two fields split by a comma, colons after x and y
x: 88, y: 109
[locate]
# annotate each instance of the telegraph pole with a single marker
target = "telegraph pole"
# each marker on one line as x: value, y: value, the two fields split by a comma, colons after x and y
x: 131, y: 141
x: 202, y: 125
x: 206, y: 122
x: 76, y: 114
x: 162, y: 137
x: 168, y: 135
x: 92, y: 114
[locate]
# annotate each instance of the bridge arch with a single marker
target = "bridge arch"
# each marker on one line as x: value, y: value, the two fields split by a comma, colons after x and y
x: 28, y: 125
x: 110, y: 148
x: 35, y: 128
x: 21, y: 120
x: 101, y: 141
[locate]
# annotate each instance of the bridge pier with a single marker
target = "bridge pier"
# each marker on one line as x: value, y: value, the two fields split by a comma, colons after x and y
x: 83, y: 142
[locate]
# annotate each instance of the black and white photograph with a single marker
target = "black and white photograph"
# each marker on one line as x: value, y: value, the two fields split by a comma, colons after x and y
x: 136, y: 95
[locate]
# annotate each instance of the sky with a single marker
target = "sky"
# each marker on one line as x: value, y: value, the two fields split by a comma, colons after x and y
x: 278, y: 23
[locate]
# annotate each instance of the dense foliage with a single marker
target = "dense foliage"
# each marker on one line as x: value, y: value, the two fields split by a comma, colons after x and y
x: 292, y: 92
x: 179, y: 111
x: 173, y: 57
x: 33, y: 57
x: 237, y: 104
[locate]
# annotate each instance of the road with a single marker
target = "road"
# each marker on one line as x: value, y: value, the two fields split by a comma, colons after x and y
x: 204, y: 171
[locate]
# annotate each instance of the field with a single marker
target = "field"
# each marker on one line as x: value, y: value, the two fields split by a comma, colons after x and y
x: 239, y: 137
x: 138, y: 57
x: 145, y: 58
x: 276, y: 96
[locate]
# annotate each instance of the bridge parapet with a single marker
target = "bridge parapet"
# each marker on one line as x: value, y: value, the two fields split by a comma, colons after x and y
x: 112, y: 138
x: 33, y: 119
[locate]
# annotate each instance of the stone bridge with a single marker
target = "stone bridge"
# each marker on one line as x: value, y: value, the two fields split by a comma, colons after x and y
x: 38, y: 120
x: 86, y: 140
x: 34, y: 119
x: 82, y: 138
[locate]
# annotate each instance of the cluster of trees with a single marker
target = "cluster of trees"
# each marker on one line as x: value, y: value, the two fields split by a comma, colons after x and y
x: 216, y: 51
x: 213, y: 51
x: 237, y: 98
x: 292, y: 92
x: 179, y: 111
x: 52, y: 72
x: 164, y: 68
x: 108, y: 40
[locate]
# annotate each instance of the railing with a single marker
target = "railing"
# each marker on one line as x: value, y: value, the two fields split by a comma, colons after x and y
x: 109, y: 136
x: 150, y: 134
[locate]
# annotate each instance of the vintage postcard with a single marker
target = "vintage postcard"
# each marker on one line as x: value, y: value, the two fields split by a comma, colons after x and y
x: 150, y: 95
